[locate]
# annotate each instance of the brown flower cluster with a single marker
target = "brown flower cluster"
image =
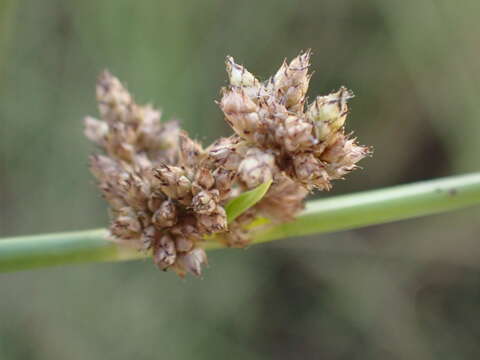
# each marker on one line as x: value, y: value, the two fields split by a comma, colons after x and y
x: 167, y: 193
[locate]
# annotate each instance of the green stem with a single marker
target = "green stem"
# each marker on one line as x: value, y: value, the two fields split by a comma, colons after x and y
x: 320, y: 216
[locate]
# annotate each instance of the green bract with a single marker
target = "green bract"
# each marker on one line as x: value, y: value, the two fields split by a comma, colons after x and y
x: 245, y: 201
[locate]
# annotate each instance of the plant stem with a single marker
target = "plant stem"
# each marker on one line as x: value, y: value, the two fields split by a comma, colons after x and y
x: 27, y: 252
x: 320, y: 216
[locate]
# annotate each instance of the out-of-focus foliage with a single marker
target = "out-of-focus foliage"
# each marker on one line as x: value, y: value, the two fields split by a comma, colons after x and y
x: 409, y: 290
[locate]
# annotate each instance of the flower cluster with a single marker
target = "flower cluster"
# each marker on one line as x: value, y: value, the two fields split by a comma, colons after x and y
x: 167, y: 193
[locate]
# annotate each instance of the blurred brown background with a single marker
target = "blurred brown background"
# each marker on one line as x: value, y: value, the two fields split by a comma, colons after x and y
x: 408, y: 290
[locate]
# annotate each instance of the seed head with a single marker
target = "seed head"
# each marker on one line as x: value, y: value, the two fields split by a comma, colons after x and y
x: 329, y: 113
x: 96, y: 130
x: 310, y: 171
x: 148, y: 237
x: 172, y: 181
x: 298, y: 134
x: 204, y: 178
x: 225, y: 152
x: 165, y: 215
x: 239, y: 76
x: 256, y: 168
x: 204, y: 202
x: 241, y: 112
x: 183, y: 244
x: 165, y: 253
x: 192, y: 262
x: 290, y: 83
x: 114, y: 101
x: 214, y: 222
x: 167, y: 193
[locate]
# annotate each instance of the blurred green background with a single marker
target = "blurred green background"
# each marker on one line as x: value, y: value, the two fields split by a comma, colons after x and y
x: 408, y: 290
